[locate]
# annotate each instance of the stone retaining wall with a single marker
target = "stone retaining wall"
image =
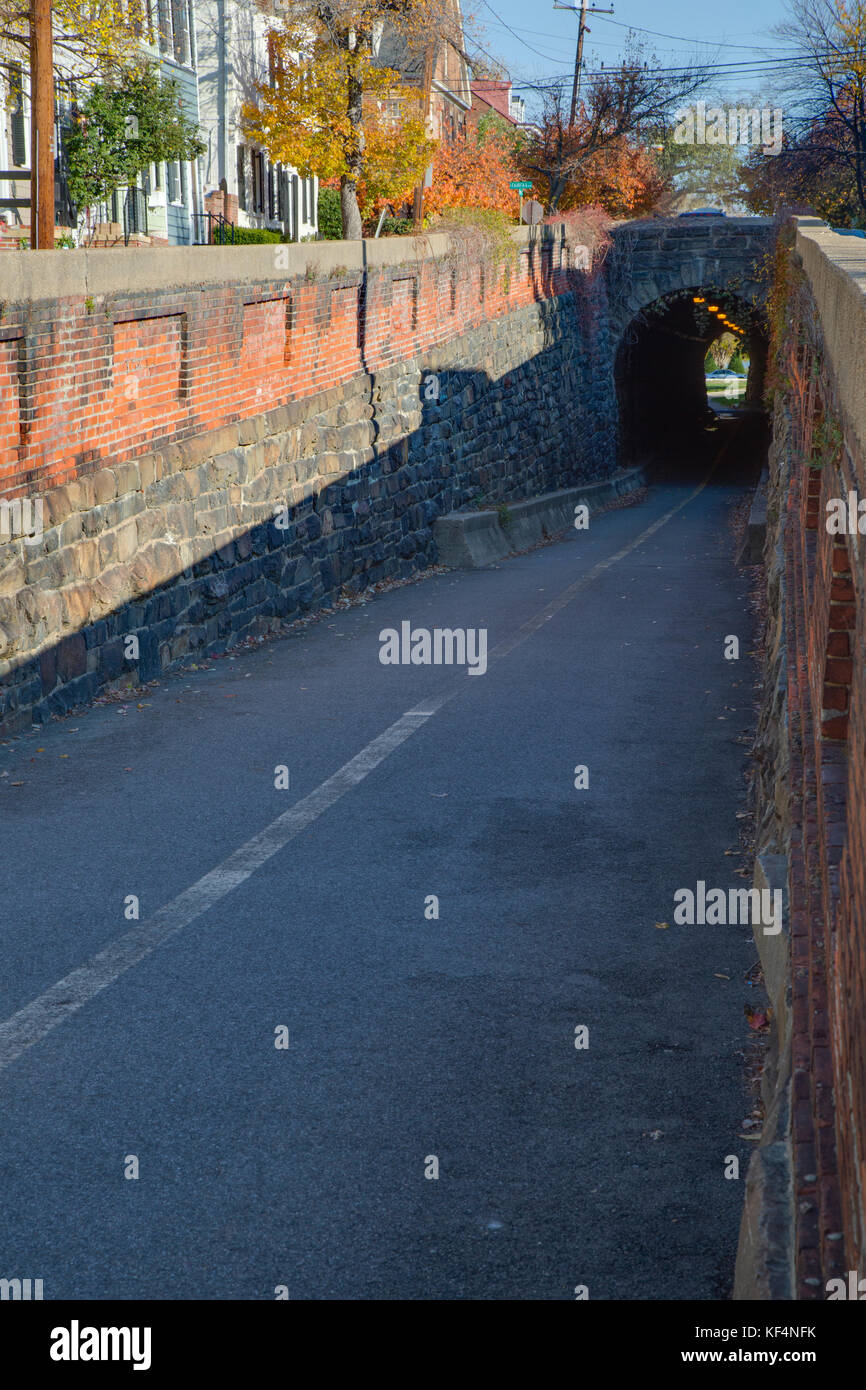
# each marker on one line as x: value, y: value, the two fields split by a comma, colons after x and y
x: 401, y: 393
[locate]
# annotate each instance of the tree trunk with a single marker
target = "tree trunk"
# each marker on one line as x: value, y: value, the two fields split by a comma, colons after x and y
x: 556, y: 186
x: 351, y: 213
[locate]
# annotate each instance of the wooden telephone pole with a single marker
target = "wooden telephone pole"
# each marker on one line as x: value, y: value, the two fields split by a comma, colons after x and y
x: 41, y: 127
x: 582, y: 10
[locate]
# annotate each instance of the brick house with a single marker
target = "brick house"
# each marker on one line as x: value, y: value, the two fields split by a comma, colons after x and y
x: 492, y: 96
x: 450, y: 94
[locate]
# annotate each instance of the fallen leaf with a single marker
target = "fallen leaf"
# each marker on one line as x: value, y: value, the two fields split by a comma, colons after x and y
x: 662, y: 926
x: 759, y: 1019
x: 721, y: 977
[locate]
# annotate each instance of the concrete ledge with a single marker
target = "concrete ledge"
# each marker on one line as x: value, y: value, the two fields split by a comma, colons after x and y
x: 836, y: 269
x: 471, y: 540
x: 752, y: 552
x: 765, y: 1254
x: 29, y: 276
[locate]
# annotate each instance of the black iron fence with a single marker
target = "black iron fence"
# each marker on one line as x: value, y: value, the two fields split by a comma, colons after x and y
x: 212, y: 229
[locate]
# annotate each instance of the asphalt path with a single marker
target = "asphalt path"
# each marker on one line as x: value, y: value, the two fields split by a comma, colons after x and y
x: 410, y: 1037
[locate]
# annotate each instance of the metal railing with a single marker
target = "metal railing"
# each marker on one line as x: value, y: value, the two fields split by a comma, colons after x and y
x: 212, y: 229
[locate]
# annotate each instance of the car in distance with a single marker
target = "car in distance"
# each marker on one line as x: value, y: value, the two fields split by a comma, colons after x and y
x: 704, y: 212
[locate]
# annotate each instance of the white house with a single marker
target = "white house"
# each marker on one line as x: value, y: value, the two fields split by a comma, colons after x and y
x: 239, y: 181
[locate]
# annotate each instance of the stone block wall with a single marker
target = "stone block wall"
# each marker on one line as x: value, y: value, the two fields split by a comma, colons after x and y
x: 215, y: 456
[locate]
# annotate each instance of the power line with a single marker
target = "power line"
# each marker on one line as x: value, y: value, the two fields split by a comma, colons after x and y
x: 678, y: 38
x: 545, y: 56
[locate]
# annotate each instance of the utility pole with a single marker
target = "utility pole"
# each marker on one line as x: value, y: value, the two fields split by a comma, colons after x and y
x: 426, y: 90
x: 41, y: 127
x: 584, y: 10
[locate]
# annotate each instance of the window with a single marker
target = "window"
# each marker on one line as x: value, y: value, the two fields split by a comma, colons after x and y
x: 242, y: 178
x: 258, y: 181
x: 180, y: 27
x: 172, y: 180
x: 184, y: 184
x: 164, y: 19
x: 16, y: 94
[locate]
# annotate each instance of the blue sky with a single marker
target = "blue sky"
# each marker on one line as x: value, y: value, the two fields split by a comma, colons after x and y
x: 735, y: 32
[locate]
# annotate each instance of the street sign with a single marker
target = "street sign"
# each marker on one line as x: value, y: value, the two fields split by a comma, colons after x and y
x: 519, y: 184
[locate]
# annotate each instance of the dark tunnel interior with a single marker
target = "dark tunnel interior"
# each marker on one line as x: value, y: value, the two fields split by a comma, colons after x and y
x: 667, y: 421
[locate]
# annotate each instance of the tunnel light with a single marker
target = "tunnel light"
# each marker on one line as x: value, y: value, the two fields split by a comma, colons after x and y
x: 713, y: 308
x: 696, y: 299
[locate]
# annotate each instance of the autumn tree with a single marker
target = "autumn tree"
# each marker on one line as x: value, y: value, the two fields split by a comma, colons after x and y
x: 622, y: 177
x: 619, y: 104
x: 822, y: 164
x: 333, y: 110
x: 88, y: 38
x: 476, y: 171
x: 701, y: 173
x: 722, y: 349
x: 825, y: 118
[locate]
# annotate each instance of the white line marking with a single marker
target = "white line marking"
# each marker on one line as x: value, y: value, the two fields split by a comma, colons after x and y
x: 37, y: 1019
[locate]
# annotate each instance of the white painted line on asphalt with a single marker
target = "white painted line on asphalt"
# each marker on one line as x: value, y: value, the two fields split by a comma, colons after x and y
x: 41, y: 1015
x: 560, y: 602
x: 38, y: 1018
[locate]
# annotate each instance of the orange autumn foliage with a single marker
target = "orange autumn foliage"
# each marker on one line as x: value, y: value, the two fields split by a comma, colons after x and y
x: 623, y: 178
x: 474, y: 172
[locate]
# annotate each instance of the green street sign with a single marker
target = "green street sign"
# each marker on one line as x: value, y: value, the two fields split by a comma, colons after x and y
x: 522, y: 187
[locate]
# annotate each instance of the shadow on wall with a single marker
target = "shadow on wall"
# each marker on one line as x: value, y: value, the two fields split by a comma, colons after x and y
x: 344, y: 487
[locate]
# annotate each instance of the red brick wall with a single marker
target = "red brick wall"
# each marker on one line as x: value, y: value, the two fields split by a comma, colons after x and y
x: 826, y: 714
x: 110, y: 377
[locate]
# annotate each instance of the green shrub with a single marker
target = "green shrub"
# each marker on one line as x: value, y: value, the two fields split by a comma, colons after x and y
x: 330, y: 216
x: 397, y: 226
x: 248, y: 236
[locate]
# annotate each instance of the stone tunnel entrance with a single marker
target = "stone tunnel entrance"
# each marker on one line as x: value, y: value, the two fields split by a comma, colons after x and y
x: 665, y: 413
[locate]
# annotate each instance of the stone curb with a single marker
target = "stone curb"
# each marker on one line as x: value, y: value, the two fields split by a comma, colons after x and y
x: 752, y: 552
x: 471, y: 540
x: 765, y: 1253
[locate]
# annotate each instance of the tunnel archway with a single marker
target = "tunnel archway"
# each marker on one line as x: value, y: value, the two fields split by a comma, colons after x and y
x: 659, y: 371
